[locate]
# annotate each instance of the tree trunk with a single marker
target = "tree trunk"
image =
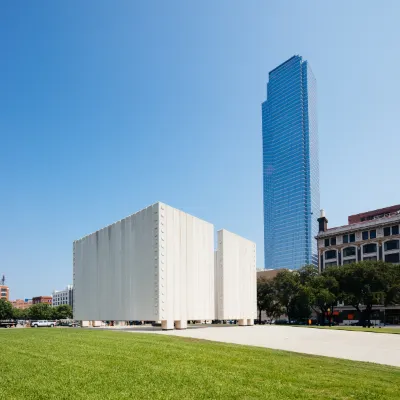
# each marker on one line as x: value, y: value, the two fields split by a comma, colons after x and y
x: 368, y: 310
x: 287, y: 312
x: 321, y: 316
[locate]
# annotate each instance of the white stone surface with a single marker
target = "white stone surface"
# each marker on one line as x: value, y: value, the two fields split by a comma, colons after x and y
x: 235, y: 275
x: 157, y: 264
x: 360, y: 346
x: 115, y: 270
x: 186, y: 266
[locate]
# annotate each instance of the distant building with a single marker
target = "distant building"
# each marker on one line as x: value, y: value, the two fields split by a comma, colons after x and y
x: 290, y: 166
x: 372, y: 235
x: 21, y: 304
x: 375, y: 214
x: 376, y: 237
x: 65, y: 296
x: 4, y: 292
x: 268, y: 274
x: 42, y: 299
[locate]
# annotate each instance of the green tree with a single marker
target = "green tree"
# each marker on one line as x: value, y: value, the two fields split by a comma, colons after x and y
x: 300, y: 306
x: 362, y: 285
x: 287, y: 285
x: 267, y: 299
x: 307, y: 274
x: 19, y: 313
x: 390, y: 275
x: 6, y: 309
x: 323, y: 295
x: 293, y: 290
x: 40, y: 311
x: 63, y: 311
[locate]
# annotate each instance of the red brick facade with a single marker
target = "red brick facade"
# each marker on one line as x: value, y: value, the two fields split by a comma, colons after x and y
x: 368, y: 215
x: 4, y: 292
x: 21, y: 304
x: 42, y: 299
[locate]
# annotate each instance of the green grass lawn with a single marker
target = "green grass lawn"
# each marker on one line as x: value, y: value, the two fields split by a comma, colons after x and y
x: 395, y: 331
x: 87, y: 364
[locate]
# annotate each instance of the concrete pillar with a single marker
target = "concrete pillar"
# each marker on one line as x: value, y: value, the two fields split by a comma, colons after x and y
x: 167, y: 325
x: 250, y: 322
x: 242, y: 322
x: 182, y: 324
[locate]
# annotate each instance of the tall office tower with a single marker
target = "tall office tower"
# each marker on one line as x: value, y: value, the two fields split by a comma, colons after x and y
x: 290, y: 166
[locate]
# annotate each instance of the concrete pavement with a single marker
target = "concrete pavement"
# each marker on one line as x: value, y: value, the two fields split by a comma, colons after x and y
x: 378, y: 348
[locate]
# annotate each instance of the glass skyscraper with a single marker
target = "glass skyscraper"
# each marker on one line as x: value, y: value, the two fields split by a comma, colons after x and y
x: 290, y: 166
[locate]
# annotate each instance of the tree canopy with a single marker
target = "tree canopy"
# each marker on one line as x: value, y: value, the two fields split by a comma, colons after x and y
x: 360, y: 285
x: 6, y: 309
x: 63, y: 311
x: 40, y: 311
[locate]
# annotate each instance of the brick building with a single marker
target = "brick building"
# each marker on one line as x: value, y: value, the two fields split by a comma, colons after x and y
x: 374, y: 215
x: 42, y: 299
x: 21, y: 304
x: 268, y: 274
x: 4, y: 292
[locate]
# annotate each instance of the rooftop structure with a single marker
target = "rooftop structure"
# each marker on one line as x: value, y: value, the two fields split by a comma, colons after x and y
x: 375, y: 214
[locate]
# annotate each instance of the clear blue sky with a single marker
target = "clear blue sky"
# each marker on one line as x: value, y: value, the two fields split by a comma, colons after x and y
x: 107, y: 107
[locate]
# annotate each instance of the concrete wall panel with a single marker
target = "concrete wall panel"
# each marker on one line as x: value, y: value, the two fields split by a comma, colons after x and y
x: 189, y: 248
x: 114, y: 270
x: 154, y: 265
x: 235, y: 274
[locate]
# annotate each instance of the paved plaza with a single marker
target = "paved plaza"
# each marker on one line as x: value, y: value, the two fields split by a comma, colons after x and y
x: 360, y: 346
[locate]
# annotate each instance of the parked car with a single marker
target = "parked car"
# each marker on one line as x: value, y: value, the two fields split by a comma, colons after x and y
x: 281, y: 322
x: 42, y: 323
x: 66, y: 322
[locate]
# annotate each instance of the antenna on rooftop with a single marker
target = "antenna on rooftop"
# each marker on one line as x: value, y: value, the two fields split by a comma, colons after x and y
x: 3, y: 280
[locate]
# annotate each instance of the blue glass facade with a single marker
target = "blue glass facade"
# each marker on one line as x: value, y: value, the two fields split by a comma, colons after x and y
x: 290, y: 166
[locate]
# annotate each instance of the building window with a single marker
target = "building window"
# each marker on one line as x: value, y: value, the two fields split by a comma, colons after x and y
x: 395, y: 230
x: 330, y: 254
x: 349, y: 252
x: 365, y: 235
x: 326, y: 242
x: 333, y: 241
x: 348, y: 261
x: 392, y: 258
x: 352, y: 237
x: 369, y: 248
x: 345, y: 238
x: 373, y: 258
x: 392, y: 245
x: 372, y: 234
x: 386, y: 231
x: 330, y: 264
